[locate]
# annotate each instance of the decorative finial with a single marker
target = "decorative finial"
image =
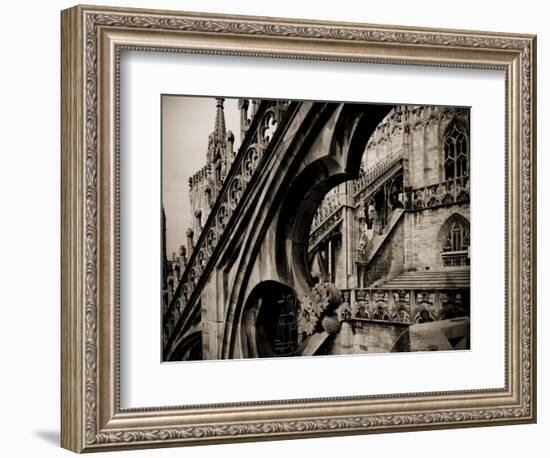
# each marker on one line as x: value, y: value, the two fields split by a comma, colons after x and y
x: 219, y: 128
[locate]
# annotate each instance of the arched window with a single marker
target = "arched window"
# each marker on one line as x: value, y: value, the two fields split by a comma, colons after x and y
x: 457, y: 239
x: 270, y: 321
x: 455, y: 242
x: 456, y: 150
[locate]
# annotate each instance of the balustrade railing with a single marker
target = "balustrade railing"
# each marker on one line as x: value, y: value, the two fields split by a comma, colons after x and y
x: 267, y: 116
x: 447, y: 192
x: 366, y: 177
x: 326, y: 227
x: 403, y: 306
x: 330, y: 213
x: 455, y: 258
x: 333, y: 201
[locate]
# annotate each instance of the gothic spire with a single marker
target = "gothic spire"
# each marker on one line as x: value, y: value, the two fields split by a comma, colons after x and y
x: 219, y: 128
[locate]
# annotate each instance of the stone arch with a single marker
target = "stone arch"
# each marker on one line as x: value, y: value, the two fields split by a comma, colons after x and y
x: 189, y: 348
x: 277, y: 171
x: 340, y: 162
x: 315, y: 181
x: 402, y: 343
x: 325, y: 149
x: 269, y: 326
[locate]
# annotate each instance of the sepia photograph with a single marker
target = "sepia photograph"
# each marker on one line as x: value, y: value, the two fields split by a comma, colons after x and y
x: 306, y: 228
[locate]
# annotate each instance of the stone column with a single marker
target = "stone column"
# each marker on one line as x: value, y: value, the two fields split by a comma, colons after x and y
x: 413, y: 304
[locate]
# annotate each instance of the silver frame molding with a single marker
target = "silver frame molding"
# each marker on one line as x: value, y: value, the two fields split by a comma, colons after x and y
x: 92, y: 38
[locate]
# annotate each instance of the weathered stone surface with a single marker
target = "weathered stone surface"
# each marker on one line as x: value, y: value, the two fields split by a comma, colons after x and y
x: 349, y: 195
x: 439, y: 335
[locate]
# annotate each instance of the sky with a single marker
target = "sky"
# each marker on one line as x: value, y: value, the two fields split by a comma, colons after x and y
x: 186, y: 123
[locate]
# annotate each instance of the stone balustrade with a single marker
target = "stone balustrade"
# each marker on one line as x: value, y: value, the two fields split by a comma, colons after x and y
x: 367, y: 177
x: 329, y: 214
x: 402, y: 306
x: 445, y: 193
x: 332, y: 202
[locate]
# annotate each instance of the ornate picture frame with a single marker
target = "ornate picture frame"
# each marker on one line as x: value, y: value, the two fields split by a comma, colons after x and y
x: 92, y: 41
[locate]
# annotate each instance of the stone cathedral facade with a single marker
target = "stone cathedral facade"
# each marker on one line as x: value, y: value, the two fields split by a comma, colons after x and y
x: 401, y: 232
x: 387, y: 258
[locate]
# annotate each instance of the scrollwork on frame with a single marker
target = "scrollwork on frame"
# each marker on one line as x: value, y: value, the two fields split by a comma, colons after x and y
x: 364, y: 422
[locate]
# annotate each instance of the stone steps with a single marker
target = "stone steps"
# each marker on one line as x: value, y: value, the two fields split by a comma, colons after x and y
x: 431, y: 280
